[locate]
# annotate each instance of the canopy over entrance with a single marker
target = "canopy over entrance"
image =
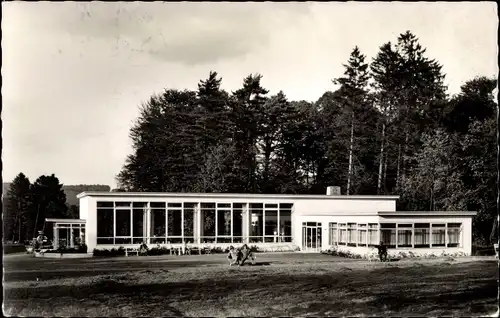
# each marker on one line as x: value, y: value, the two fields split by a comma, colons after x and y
x: 68, y: 232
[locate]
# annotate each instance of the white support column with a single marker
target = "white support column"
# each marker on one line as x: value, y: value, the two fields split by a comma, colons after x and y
x: 166, y: 222
x: 147, y: 215
x: 446, y: 235
x: 263, y: 223
x: 114, y: 224
x: 232, y: 225
x: 71, y: 240
x: 182, y: 221
x: 413, y: 235
x: 56, y: 236
x: 199, y: 223
x: 430, y: 235
x: 397, y: 234
x: 216, y: 221
x: 132, y: 224
x: 278, y: 230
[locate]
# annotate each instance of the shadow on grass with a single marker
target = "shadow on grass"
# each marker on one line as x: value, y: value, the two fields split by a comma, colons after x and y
x: 391, y: 289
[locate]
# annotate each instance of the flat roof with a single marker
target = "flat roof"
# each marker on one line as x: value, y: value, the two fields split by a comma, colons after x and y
x: 72, y: 221
x: 234, y: 195
x: 427, y: 213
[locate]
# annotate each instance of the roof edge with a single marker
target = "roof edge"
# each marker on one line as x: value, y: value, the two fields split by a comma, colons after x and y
x: 234, y: 195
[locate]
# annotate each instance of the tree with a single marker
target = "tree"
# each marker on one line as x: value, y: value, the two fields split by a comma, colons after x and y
x: 49, y: 201
x: 17, y: 207
x: 246, y: 112
x: 166, y: 152
x: 434, y: 183
x: 354, y: 97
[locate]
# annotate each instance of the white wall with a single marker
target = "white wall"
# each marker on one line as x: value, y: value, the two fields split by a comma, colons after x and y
x: 88, y: 213
x: 343, y: 206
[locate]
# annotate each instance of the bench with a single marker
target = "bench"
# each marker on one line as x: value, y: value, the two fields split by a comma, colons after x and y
x: 131, y: 250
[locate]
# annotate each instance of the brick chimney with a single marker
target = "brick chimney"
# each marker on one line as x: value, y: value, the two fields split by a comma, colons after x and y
x: 331, y: 190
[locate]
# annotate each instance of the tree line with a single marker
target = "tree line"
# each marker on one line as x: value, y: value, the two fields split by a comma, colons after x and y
x: 26, y: 205
x: 387, y: 127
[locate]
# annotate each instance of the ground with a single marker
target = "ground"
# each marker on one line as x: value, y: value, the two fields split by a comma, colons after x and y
x: 284, y: 284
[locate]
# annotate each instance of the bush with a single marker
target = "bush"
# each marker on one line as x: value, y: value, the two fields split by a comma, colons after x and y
x: 158, y: 250
x: 110, y: 253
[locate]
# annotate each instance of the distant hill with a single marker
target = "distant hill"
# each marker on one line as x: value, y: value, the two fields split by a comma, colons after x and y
x: 71, y: 191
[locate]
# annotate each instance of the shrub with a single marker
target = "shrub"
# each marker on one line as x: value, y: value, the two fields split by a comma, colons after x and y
x: 113, y: 252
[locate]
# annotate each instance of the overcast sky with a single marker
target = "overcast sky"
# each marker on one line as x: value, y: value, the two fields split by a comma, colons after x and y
x: 74, y: 73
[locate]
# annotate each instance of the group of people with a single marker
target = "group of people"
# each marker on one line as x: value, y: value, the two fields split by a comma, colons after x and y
x: 238, y: 256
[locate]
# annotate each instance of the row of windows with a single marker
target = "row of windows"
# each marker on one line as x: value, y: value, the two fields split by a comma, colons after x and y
x: 124, y: 222
x: 396, y: 235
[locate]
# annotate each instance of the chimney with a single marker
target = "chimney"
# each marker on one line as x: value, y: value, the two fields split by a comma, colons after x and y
x: 333, y: 190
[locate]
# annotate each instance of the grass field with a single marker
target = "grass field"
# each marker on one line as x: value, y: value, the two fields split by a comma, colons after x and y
x: 279, y: 285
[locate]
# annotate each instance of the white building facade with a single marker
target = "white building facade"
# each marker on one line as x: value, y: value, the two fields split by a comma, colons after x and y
x: 312, y: 223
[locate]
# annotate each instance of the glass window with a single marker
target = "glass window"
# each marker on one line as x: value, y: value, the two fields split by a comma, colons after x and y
x: 404, y: 235
x: 174, y: 205
x: 332, y: 240
x: 373, y: 234
x: 157, y: 205
x: 438, y: 234
x: 208, y: 219
x: 257, y: 226
x: 454, y: 230
x: 158, y: 230
x: 271, y: 228
x: 104, y: 204
x: 238, y: 218
x: 123, y: 204
x: 123, y: 222
x: 189, y: 219
x: 351, y: 234
x: 105, y: 223
x: 223, y: 222
x: 138, y: 225
x: 422, y: 235
x: 388, y: 234
x: 174, y: 222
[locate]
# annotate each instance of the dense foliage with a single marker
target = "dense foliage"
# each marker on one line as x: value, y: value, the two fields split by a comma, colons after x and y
x: 388, y: 127
x: 26, y: 205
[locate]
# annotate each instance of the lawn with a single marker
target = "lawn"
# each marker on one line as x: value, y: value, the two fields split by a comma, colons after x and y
x: 279, y: 285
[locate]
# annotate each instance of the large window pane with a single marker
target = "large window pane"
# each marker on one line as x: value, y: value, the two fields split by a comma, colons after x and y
x: 332, y: 239
x: 388, y: 234
x: 257, y: 227
x: 105, y: 222
x: 224, y: 222
x: 138, y: 225
x: 422, y: 235
x: 189, y: 220
x: 158, y: 227
x: 208, y: 221
x: 174, y: 222
x: 438, y: 235
x: 271, y: 228
x: 285, y: 226
x: 123, y: 222
x: 404, y: 237
x: 342, y: 233
x: 237, y: 219
x: 351, y: 234
x: 454, y: 234
x: 373, y: 234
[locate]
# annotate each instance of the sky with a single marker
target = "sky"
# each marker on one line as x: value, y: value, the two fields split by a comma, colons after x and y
x: 75, y: 73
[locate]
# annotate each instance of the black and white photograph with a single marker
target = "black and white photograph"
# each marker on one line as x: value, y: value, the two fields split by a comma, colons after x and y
x: 250, y: 159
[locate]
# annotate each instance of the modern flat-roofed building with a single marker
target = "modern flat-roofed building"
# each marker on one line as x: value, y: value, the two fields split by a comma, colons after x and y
x: 310, y: 222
